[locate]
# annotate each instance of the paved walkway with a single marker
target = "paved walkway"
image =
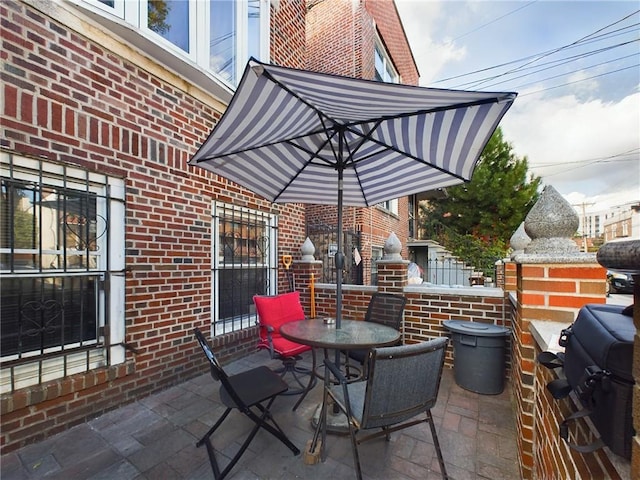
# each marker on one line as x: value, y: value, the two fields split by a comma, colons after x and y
x: 155, y: 439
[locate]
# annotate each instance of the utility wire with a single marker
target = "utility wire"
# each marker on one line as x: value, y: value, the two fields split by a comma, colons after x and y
x: 559, y: 62
x: 635, y: 55
x: 494, y: 20
x: 556, y: 50
x: 577, y: 81
x: 597, y: 38
x: 597, y: 159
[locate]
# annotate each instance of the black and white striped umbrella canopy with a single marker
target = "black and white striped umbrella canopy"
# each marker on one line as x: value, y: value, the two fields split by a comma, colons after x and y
x: 289, y: 135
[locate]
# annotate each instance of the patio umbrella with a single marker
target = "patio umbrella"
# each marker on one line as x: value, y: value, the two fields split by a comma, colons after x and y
x: 289, y: 134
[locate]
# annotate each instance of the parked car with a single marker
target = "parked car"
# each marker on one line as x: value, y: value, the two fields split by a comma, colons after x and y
x: 619, y: 282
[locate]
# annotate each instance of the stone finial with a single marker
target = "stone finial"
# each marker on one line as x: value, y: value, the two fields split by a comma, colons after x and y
x: 392, y: 248
x: 308, y: 249
x: 519, y: 240
x: 551, y: 223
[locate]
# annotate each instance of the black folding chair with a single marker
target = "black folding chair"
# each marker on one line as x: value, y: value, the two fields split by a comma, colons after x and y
x: 246, y: 392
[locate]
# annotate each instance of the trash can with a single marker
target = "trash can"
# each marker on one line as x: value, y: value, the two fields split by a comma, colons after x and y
x: 478, y: 355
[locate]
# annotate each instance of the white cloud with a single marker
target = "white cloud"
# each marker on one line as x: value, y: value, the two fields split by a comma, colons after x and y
x: 578, y: 137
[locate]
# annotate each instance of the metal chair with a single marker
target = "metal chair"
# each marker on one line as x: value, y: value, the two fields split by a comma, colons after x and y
x: 273, y: 312
x: 246, y: 392
x: 403, y: 382
x: 386, y: 309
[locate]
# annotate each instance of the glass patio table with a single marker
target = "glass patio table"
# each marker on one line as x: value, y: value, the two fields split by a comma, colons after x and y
x: 353, y: 334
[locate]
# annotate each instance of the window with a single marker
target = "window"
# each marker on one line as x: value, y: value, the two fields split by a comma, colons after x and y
x: 385, y: 71
x: 61, y: 265
x: 376, y: 254
x: 244, y: 264
x: 218, y: 35
x: 411, y: 207
x: 390, y: 205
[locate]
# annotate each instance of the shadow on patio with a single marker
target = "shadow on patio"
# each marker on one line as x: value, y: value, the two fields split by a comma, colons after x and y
x: 155, y: 438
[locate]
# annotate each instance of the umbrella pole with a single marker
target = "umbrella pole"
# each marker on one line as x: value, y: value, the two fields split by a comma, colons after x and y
x: 339, y: 257
x: 339, y: 262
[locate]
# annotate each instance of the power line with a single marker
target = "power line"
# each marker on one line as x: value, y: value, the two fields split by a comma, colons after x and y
x: 560, y: 74
x: 597, y: 159
x: 578, y: 81
x: 561, y: 61
x: 494, y: 20
x: 597, y: 38
x: 551, y: 52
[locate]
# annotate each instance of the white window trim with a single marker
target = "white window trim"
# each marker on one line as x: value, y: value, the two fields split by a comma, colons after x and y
x: 52, y: 368
x: 128, y: 19
x: 272, y: 259
x: 386, y: 59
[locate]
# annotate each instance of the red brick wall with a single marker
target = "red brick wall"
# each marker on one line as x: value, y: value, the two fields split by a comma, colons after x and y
x: 424, y: 314
x: 68, y: 98
x: 288, y: 42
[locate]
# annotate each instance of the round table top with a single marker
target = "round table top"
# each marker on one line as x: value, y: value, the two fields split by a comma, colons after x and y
x: 353, y: 334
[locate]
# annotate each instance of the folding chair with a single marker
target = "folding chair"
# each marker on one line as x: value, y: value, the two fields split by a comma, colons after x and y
x: 246, y: 392
x: 403, y: 382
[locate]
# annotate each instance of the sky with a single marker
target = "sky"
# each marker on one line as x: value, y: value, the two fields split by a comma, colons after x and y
x: 576, y: 68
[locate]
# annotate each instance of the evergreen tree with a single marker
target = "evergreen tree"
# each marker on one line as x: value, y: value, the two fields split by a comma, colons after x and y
x: 484, y: 213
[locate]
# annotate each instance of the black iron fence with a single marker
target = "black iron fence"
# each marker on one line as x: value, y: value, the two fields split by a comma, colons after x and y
x: 324, y: 238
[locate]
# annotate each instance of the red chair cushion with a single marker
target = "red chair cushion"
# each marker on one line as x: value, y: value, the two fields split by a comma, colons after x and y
x: 276, y: 311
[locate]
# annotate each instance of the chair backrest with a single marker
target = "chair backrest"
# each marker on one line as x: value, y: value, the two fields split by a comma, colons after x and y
x: 386, y: 308
x: 403, y: 381
x: 277, y: 310
x: 217, y: 372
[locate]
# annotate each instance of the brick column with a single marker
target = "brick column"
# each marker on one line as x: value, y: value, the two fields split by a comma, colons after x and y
x: 392, y: 275
x: 392, y: 269
x: 553, y: 281
x: 510, y: 276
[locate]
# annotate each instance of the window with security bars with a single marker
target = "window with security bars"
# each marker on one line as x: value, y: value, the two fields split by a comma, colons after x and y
x: 244, y: 264
x: 59, y: 227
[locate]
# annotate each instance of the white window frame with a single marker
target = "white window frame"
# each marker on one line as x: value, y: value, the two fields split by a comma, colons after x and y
x: 134, y: 12
x: 54, y: 367
x: 389, y: 73
x: 217, y: 266
x: 390, y: 206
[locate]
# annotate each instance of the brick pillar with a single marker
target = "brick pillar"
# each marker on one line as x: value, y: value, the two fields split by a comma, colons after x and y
x: 548, y: 292
x: 392, y: 275
x: 635, y: 446
x: 510, y: 275
x: 553, y: 280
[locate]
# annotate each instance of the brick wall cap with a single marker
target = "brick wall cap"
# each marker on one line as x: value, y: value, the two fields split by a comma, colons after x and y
x: 547, y: 333
x: 393, y: 260
x: 457, y: 291
x: 553, y: 259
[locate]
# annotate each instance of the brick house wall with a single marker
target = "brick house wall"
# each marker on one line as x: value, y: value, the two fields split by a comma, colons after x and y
x: 76, y: 94
x: 341, y: 36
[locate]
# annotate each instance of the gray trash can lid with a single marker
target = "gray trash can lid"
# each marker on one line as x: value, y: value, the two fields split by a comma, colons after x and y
x: 478, y: 329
